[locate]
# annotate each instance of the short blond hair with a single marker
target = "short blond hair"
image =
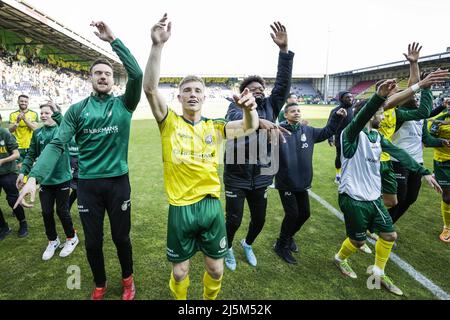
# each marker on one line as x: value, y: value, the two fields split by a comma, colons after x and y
x: 191, y: 78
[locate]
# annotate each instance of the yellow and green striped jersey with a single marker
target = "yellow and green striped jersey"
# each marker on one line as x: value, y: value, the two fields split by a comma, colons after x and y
x: 387, y: 129
x: 191, y: 157
x: 23, y: 133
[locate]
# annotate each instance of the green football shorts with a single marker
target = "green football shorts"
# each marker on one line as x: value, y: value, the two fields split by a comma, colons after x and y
x: 442, y: 173
x: 196, y: 227
x: 361, y: 216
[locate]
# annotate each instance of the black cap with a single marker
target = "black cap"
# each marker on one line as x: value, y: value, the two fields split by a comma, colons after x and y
x: 342, y: 93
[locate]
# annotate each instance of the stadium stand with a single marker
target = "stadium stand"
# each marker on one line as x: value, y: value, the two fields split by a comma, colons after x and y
x: 361, y: 86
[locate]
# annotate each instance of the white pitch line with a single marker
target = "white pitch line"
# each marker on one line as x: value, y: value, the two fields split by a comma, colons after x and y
x: 416, y: 275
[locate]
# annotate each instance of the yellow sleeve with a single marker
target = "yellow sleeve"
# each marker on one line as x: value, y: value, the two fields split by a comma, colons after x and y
x: 13, y: 117
x: 219, y: 126
x: 167, y: 122
x: 36, y: 117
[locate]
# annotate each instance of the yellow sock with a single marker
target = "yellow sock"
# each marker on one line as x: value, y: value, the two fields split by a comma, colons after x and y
x: 445, y: 209
x: 347, y: 249
x: 211, y: 287
x: 382, y: 251
x: 179, y: 289
x: 338, y: 171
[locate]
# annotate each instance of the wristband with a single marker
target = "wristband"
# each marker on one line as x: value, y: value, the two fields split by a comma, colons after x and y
x: 415, y: 87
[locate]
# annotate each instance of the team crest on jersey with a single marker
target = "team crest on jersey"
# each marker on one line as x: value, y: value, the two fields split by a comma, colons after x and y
x: 303, y: 138
x: 208, y: 139
x: 223, y: 243
x: 2, y: 142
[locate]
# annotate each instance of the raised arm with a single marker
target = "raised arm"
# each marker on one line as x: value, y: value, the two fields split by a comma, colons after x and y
x: 413, y: 58
x: 134, y: 84
x: 321, y: 134
x: 282, y: 84
x: 159, y: 34
x: 437, y: 76
x: 414, y: 76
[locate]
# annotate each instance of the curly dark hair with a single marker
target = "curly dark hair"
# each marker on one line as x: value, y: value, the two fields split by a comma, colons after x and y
x: 249, y: 80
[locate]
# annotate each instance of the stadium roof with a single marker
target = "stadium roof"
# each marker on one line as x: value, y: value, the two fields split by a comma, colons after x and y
x: 443, y: 57
x: 37, y: 28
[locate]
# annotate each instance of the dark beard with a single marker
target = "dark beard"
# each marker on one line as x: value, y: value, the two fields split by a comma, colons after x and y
x: 259, y: 100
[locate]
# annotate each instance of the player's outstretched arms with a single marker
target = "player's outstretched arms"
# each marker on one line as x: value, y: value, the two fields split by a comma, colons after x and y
x: 160, y: 33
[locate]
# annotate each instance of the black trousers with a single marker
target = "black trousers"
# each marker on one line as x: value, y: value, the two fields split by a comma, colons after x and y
x: 8, y: 184
x: 59, y: 195
x: 72, y: 198
x: 408, y: 189
x: 234, y: 207
x: 337, y: 160
x: 94, y: 197
x: 296, y: 212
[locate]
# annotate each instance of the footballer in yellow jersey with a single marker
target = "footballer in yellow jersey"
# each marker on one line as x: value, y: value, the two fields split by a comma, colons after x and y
x: 22, y: 123
x: 191, y: 156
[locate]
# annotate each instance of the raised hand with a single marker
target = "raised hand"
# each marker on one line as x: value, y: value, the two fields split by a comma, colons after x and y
x: 104, y: 32
x: 245, y: 100
x: 434, y: 77
x: 159, y: 33
x: 413, y: 52
x: 279, y: 36
x: 386, y: 87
